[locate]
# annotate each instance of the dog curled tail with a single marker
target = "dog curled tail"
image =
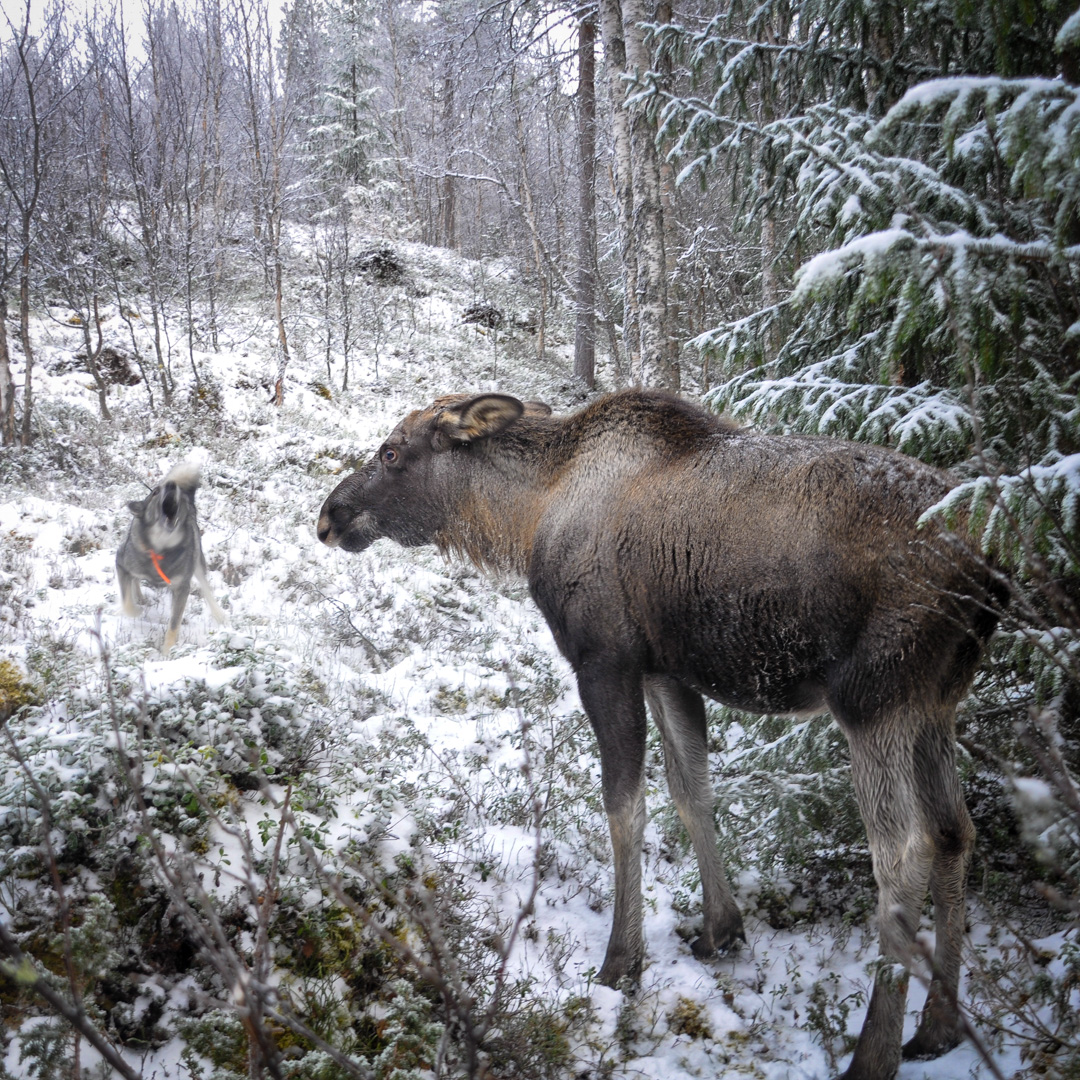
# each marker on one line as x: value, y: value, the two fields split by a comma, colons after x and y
x: 185, y: 476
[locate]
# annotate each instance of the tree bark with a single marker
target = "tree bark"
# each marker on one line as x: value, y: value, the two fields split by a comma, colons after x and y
x: 447, y: 193
x: 585, y: 286
x: 648, y: 219
x: 24, y: 333
x: 611, y: 29
x: 675, y: 294
x: 7, y: 387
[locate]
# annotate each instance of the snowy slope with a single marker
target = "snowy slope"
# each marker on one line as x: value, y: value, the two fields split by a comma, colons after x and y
x: 418, y: 709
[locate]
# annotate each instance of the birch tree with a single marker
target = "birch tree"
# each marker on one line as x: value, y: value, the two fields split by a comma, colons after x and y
x: 31, y: 99
x: 585, y: 285
x: 270, y: 116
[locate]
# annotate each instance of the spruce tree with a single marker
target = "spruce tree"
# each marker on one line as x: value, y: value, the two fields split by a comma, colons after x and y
x: 920, y: 165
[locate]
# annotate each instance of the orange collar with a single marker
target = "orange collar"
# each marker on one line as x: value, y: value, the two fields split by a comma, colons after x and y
x: 155, y: 558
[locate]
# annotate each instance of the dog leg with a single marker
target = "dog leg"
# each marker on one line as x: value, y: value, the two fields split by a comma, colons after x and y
x: 204, y: 589
x: 129, y: 592
x: 179, y: 602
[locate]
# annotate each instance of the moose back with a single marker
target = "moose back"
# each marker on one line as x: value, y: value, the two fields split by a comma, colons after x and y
x: 675, y: 555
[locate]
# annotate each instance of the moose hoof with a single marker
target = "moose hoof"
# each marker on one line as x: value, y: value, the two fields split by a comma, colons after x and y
x: 705, y: 949
x: 883, y: 1069
x: 720, y: 942
x: 620, y: 975
x: 938, y: 1031
x: 930, y: 1042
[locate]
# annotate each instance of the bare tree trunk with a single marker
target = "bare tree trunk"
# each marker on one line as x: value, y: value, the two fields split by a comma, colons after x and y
x: 268, y: 113
x: 146, y: 222
x: 24, y: 332
x: 402, y: 136
x: 93, y: 355
x: 213, y: 154
x: 611, y: 29
x: 446, y: 195
x: 283, y: 337
x: 585, y: 286
x: 529, y: 213
x: 770, y: 289
x: 648, y: 219
x: 7, y: 387
x: 345, y: 292
x: 675, y: 301
x: 33, y: 91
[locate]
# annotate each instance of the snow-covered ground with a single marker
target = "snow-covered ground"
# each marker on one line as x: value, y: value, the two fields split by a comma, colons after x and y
x: 427, y: 702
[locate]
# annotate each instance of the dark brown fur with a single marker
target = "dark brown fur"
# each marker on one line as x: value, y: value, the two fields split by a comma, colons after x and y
x: 675, y: 555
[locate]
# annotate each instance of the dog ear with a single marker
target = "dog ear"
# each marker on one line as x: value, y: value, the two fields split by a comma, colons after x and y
x: 137, y: 506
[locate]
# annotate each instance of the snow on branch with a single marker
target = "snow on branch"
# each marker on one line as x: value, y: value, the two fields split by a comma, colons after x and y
x: 822, y: 270
x: 919, y: 419
x: 1044, y: 496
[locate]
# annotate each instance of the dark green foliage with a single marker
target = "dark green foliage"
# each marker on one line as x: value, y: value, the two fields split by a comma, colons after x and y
x: 919, y: 165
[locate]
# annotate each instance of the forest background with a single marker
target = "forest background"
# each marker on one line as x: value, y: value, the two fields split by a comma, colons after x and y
x: 852, y: 218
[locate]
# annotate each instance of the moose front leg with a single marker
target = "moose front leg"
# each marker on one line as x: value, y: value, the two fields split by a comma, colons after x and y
x: 679, y: 713
x: 615, y: 705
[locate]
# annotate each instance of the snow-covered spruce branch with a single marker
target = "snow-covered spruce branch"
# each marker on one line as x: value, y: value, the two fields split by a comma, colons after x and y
x: 895, y: 415
x: 823, y: 269
x: 996, y: 505
x: 779, y: 133
x: 962, y: 92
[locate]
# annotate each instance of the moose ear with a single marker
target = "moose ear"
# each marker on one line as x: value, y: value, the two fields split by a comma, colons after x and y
x: 137, y: 506
x: 479, y: 417
x: 537, y: 409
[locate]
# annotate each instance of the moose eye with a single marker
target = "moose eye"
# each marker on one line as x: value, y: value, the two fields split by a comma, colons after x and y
x: 389, y: 455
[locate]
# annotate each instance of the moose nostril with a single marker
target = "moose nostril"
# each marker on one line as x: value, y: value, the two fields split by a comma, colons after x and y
x: 323, y: 528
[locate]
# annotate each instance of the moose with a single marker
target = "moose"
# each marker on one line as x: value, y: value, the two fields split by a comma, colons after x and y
x: 675, y: 555
x: 163, y: 547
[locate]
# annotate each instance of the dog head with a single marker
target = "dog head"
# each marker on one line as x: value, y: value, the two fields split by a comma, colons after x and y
x: 164, y: 515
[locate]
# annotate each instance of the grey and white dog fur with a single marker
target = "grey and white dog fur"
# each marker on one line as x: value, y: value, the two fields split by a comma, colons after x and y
x: 163, y: 548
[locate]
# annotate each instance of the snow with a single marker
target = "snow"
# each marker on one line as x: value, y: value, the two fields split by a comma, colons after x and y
x: 823, y: 268
x: 1069, y: 34
x: 933, y: 91
x: 451, y: 650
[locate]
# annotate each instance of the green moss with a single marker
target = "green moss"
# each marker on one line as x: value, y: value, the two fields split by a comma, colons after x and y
x: 689, y: 1018
x: 16, y: 691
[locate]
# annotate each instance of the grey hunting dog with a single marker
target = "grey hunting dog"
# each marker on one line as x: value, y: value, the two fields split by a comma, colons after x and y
x: 163, y: 548
x: 675, y: 555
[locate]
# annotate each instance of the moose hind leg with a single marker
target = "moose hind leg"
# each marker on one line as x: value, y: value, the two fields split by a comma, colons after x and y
x: 883, y: 770
x: 615, y: 705
x: 679, y: 713
x: 953, y: 837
